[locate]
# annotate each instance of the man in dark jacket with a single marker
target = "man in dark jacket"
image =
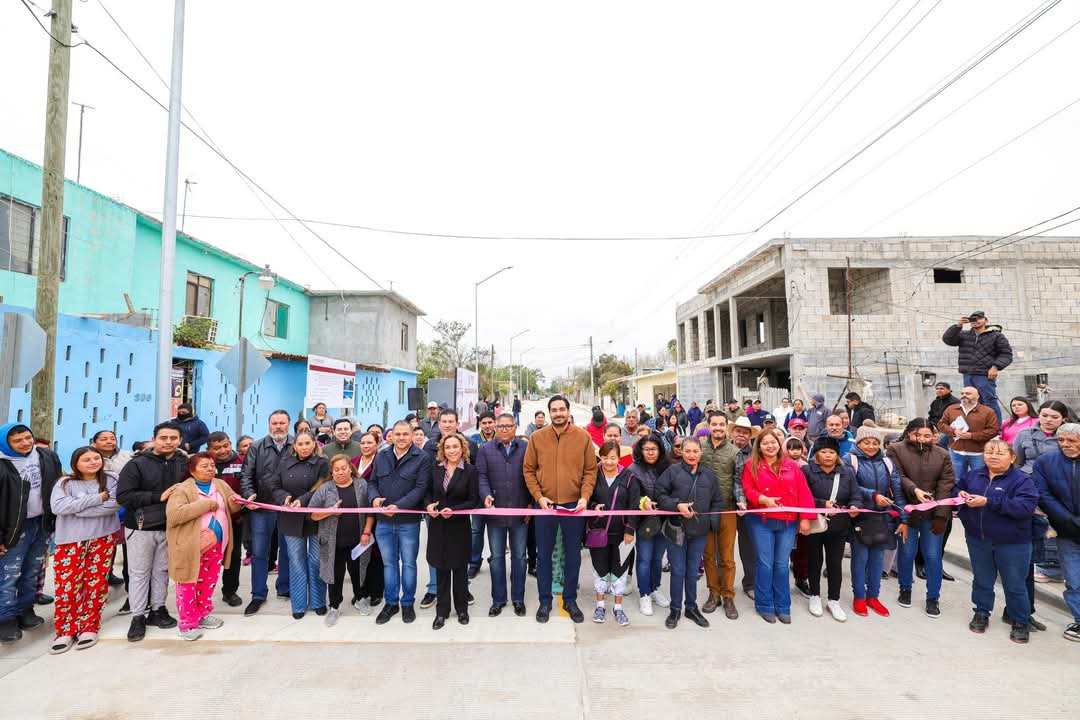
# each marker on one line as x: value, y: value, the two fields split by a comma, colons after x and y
x: 926, y: 473
x: 27, y: 476
x: 399, y: 480
x: 1057, y: 475
x: 431, y: 422
x: 502, y: 484
x: 983, y: 352
x: 193, y: 431
x: 943, y: 398
x: 758, y: 414
x: 145, y: 484
x: 859, y: 410
x: 229, y: 468
x: 516, y: 409
x: 256, y: 483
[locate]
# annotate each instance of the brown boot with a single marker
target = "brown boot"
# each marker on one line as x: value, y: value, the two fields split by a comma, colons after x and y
x: 729, y: 609
x: 710, y: 604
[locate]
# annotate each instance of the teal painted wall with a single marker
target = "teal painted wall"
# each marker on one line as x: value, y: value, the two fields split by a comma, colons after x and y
x: 113, y: 250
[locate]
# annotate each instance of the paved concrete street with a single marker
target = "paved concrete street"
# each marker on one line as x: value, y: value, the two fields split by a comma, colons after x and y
x: 271, y: 666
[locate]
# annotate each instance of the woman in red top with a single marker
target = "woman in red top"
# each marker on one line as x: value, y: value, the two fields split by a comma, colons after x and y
x: 771, y: 479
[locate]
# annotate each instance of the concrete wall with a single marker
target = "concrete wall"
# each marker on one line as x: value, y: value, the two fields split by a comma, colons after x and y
x: 363, y: 329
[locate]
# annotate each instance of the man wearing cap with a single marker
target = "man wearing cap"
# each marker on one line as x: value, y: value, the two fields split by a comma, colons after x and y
x: 983, y: 352
x: 757, y: 415
x: 797, y: 429
x: 742, y: 432
x: 732, y: 411
x: 769, y: 423
x: 943, y: 398
x: 430, y: 424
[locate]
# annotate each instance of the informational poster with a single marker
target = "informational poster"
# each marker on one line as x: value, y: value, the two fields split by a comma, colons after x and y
x: 330, y: 381
x: 466, y: 389
x: 176, y: 377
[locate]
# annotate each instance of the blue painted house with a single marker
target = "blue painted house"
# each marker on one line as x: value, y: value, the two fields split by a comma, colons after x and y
x: 107, y: 330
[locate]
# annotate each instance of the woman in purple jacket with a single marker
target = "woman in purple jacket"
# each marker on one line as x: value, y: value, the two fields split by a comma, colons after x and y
x: 999, y: 501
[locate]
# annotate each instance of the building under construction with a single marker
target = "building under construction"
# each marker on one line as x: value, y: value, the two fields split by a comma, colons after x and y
x: 805, y: 315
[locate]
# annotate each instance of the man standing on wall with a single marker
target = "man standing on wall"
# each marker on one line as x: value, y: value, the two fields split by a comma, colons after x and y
x: 983, y: 352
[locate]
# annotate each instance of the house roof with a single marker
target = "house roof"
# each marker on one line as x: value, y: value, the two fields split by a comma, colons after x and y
x: 389, y: 294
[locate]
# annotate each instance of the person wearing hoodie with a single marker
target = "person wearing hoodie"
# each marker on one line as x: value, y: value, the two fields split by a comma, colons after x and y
x: 926, y: 473
x: 832, y: 484
x: 859, y: 411
x: 596, y: 425
x: 193, y: 431
x: 649, y: 464
x: 816, y: 417
x: 145, y: 486
x: 694, y: 416
x: 1057, y: 476
x: 880, y: 485
x: 983, y: 352
x: 999, y: 501
x: 27, y: 476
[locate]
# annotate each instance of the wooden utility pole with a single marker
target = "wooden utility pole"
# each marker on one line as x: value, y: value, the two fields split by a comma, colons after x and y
x: 42, y: 390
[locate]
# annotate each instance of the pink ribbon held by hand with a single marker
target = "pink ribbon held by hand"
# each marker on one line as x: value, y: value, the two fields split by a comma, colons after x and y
x: 921, y: 507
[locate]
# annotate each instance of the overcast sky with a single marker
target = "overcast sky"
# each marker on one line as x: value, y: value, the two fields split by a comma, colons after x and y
x: 578, y: 119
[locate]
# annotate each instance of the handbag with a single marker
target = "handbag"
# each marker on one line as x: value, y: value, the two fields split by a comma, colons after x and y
x: 673, y: 529
x: 821, y: 523
x: 872, y: 529
x: 649, y: 527
x: 207, y: 540
x: 598, y: 537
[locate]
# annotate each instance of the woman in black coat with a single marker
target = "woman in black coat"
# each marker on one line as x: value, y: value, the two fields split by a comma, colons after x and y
x: 615, y: 489
x: 300, y: 471
x: 455, y: 485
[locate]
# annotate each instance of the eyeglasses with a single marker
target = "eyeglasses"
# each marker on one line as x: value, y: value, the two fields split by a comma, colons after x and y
x: 504, y: 427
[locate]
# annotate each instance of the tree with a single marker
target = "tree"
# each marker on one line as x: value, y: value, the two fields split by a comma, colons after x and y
x: 673, y: 350
x: 447, y: 349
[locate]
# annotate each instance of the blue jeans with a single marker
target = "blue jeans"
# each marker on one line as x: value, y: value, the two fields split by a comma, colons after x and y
x: 476, y: 559
x: 573, y: 533
x: 920, y: 537
x: 866, y: 564
x: 263, y: 524
x: 399, y: 544
x: 19, y: 568
x: 517, y: 418
x: 987, y: 392
x: 497, y: 538
x: 962, y: 464
x: 307, y: 591
x: 1010, y: 561
x: 1069, y: 556
x: 685, y: 561
x: 650, y: 560
x: 773, y: 541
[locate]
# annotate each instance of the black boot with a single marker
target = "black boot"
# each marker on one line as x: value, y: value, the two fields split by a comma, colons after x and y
x: 29, y: 619
x: 9, y: 630
x: 672, y: 619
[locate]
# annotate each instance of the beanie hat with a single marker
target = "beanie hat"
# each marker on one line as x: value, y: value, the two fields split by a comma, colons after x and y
x: 867, y: 432
x: 827, y: 442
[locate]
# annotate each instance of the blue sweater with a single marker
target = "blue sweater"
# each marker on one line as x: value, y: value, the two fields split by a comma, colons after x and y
x: 1011, y: 501
x: 1058, y: 480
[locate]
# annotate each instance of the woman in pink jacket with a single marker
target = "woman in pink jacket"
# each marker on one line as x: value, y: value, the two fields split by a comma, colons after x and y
x: 771, y: 479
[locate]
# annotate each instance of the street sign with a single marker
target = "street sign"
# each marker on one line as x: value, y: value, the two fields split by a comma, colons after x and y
x: 22, y: 354
x: 255, y: 364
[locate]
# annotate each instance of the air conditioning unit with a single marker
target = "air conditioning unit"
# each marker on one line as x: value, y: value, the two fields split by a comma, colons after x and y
x: 205, y: 327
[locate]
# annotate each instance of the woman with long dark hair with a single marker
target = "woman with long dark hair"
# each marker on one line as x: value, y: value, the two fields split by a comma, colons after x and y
x: 1021, y: 415
x: 649, y: 464
x: 84, y: 503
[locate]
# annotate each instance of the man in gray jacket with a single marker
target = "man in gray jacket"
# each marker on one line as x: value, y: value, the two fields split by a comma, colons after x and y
x: 260, y: 466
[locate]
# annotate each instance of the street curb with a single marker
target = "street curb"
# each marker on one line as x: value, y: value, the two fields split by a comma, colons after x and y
x: 1041, y: 595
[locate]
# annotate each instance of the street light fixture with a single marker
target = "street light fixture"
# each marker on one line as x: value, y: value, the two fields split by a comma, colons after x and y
x: 266, y: 282
x: 510, y: 368
x: 476, y: 325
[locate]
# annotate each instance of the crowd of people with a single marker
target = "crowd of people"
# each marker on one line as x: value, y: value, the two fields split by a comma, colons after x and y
x: 185, y: 514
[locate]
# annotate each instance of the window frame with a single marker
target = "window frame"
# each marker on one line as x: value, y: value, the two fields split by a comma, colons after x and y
x: 33, y: 240
x: 272, y: 328
x: 195, y: 280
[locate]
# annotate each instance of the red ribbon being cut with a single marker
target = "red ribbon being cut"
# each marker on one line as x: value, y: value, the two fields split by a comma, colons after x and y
x: 511, y: 512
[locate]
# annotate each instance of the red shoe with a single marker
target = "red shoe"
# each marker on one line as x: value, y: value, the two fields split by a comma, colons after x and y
x: 877, y: 607
x: 860, y: 607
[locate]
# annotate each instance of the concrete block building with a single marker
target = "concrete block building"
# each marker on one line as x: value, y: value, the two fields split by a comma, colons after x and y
x: 776, y: 323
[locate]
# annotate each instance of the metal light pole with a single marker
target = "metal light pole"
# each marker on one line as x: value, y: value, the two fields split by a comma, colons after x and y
x: 168, y: 221
x: 188, y: 182
x: 521, y: 366
x: 266, y: 281
x: 510, y: 367
x: 476, y: 327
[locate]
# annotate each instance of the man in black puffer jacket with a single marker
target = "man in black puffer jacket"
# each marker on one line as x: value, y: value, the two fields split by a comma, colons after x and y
x: 984, y: 352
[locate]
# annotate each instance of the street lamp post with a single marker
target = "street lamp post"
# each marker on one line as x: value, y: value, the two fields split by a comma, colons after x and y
x: 476, y: 326
x: 521, y: 368
x: 510, y: 368
x: 266, y: 281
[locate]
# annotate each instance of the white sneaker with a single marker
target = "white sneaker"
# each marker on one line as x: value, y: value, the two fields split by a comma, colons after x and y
x: 363, y: 606
x: 192, y: 634
x: 331, y: 617
x: 835, y: 610
x: 659, y: 599
x: 211, y: 623
x: 645, y: 605
x: 815, y: 606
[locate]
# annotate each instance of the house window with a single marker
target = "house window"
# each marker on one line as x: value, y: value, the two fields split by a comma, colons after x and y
x: 200, y: 293
x: 401, y: 392
x: 20, y: 238
x: 404, y: 336
x: 761, y: 329
x: 742, y: 332
x: 945, y: 276
x: 276, y: 320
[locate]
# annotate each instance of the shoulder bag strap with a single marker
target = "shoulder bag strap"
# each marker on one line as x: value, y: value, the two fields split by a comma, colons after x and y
x: 835, y: 486
x: 614, y: 499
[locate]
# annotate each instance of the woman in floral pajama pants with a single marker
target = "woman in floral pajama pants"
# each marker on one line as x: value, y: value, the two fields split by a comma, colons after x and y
x: 82, y: 587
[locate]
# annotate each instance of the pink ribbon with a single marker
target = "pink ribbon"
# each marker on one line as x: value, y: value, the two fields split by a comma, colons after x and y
x: 518, y: 512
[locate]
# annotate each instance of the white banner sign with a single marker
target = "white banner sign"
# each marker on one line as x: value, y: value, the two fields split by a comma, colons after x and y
x: 330, y: 381
x: 466, y: 397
